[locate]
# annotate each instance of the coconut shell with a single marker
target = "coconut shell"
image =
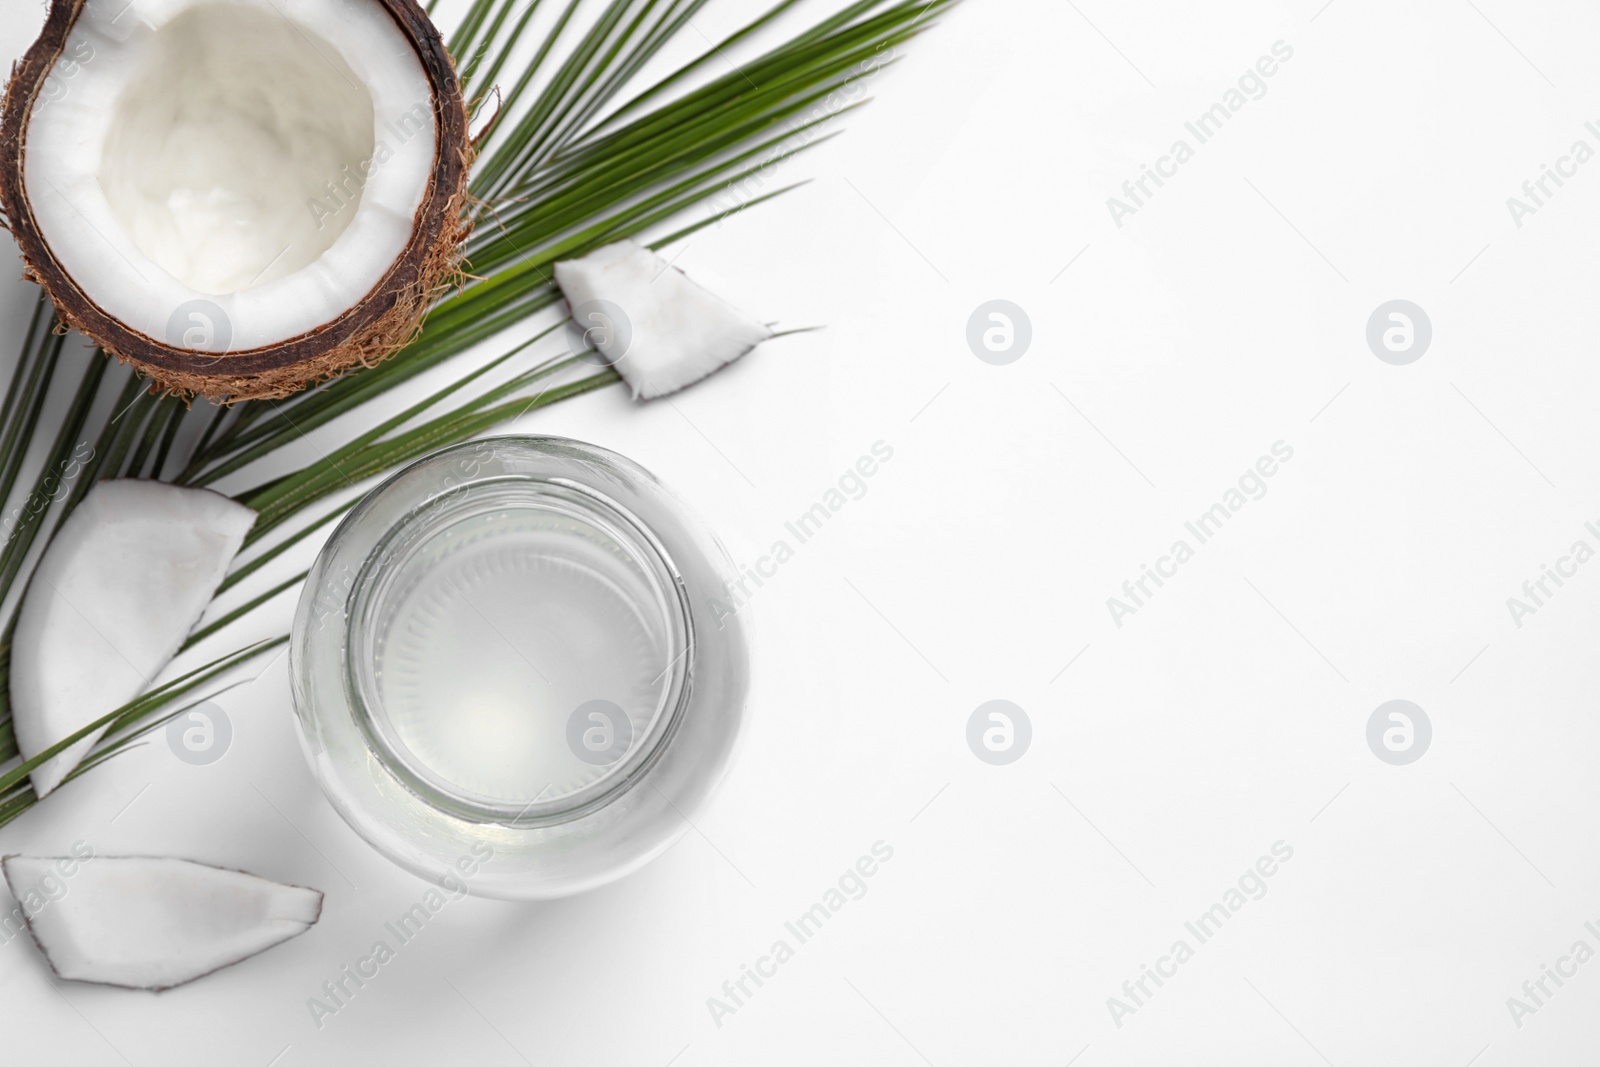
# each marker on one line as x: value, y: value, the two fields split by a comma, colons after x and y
x: 381, y: 323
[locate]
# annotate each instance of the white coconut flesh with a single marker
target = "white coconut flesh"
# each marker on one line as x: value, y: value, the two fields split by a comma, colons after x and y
x: 658, y: 328
x: 152, y: 923
x: 265, y: 158
x: 119, y: 588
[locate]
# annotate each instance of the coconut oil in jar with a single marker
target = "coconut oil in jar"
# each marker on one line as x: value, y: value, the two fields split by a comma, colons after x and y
x: 518, y: 646
x: 523, y: 656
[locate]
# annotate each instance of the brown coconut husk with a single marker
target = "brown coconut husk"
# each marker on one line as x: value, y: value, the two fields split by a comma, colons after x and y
x: 373, y: 329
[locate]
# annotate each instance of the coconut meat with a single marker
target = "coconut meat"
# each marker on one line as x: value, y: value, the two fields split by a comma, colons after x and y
x: 150, y: 922
x: 221, y: 175
x: 659, y: 329
x: 111, y: 600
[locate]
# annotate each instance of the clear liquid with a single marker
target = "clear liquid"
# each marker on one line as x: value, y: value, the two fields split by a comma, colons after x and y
x: 496, y: 627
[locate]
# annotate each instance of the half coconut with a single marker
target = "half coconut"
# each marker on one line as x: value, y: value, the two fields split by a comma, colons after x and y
x: 238, y: 197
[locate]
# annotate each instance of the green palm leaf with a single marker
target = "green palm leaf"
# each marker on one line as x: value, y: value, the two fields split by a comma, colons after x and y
x: 574, y: 154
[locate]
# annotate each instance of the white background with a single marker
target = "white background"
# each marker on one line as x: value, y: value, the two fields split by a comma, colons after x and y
x: 1168, y: 754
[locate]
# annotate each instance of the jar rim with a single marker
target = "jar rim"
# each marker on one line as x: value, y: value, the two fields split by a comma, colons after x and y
x: 374, y: 583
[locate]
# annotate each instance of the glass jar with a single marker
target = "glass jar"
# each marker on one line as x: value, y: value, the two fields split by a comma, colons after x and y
x: 515, y: 667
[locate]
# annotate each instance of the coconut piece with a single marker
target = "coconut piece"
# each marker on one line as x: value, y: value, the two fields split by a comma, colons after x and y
x: 147, y: 922
x: 239, y: 197
x: 660, y: 330
x: 120, y: 586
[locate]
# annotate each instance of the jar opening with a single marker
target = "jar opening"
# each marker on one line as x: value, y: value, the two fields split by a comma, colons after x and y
x: 518, y: 650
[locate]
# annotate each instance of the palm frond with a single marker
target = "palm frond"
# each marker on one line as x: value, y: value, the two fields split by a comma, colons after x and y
x: 580, y: 152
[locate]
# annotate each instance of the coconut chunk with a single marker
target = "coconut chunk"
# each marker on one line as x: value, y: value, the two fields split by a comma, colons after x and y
x: 146, y: 922
x: 660, y: 330
x: 113, y: 597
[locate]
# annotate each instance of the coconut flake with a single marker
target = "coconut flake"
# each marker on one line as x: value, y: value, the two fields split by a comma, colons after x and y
x: 152, y: 923
x: 660, y: 330
x: 120, y: 586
